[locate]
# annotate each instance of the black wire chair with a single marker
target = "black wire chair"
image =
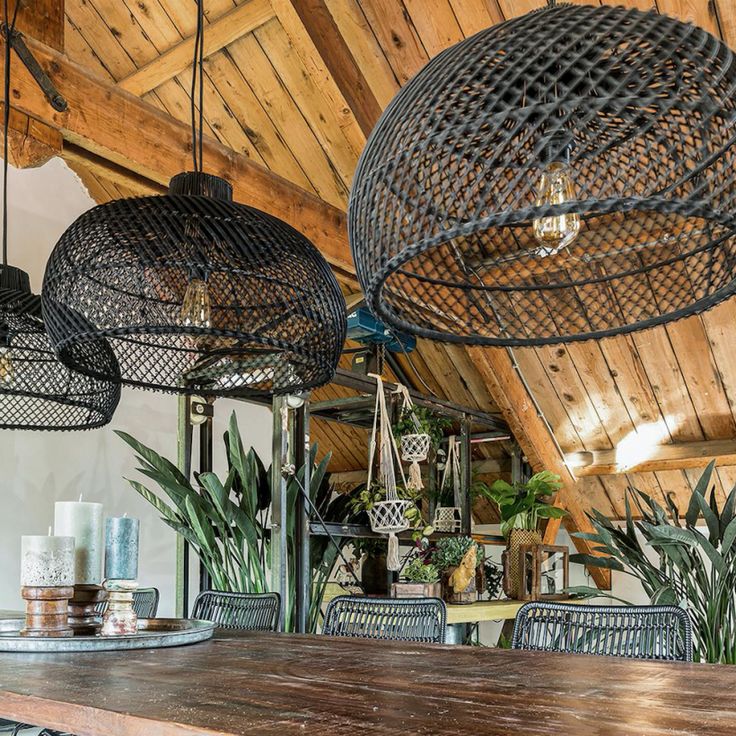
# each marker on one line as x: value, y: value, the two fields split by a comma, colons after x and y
x: 145, y: 603
x: 637, y: 632
x: 394, y: 619
x: 242, y: 611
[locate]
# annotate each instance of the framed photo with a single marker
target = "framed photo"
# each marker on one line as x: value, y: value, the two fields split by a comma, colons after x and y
x: 544, y: 572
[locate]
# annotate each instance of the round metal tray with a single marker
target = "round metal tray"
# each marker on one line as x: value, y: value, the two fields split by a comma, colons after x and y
x: 153, y: 633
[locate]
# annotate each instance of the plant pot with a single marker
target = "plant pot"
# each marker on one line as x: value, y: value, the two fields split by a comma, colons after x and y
x: 511, y: 566
x: 374, y: 575
x: 447, y: 519
x: 416, y: 590
x: 469, y: 594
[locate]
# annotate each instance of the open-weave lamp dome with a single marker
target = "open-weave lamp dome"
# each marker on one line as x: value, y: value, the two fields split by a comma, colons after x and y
x: 265, y: 316
x: 36, y: 390
x: 445, y: 198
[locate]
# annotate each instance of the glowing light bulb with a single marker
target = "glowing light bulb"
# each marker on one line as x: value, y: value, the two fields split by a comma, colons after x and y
x: 7, y: 371
x: 195, y: 309
x: 557, y: 231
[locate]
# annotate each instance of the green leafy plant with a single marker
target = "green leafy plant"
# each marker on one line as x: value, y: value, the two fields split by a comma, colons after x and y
x: 419, y: 571
x: 522, y: 505
x: 683, y: 565
x: 448, y: 552
x: 367, y: 497
x: 226, y: 521
x: 427, y: 422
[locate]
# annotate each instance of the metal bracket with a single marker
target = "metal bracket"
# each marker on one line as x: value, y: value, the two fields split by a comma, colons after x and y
x: 15, y: 38
x: 200, y: 410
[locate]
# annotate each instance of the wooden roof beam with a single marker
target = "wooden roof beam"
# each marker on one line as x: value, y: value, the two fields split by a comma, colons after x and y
x: 314, y: 18
x: 115, y: 125
x: 638, y: 459
x: 231, y: 26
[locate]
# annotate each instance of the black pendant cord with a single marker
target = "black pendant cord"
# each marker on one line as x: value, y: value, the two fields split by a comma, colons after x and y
x: 9, y: 30
x: 198, y: 79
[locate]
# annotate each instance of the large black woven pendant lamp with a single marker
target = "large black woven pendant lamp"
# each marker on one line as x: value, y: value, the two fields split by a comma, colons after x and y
x: 564, y: 175
x: 36, y: 390
x: 193, y: 292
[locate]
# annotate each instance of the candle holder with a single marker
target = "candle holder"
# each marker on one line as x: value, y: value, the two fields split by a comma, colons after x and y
x: 83, y: 616
x: 120, y: 618
x: 47, y: 613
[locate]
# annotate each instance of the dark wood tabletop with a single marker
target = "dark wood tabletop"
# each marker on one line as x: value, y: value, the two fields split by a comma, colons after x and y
x: 286, y: 684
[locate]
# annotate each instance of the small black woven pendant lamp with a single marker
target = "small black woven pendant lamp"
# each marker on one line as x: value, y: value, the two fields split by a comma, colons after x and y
x: 564, y: 175
x: 36, y: 390
x: 193, y: 292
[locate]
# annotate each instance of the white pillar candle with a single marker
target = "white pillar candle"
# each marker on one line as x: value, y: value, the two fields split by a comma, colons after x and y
x: 83, y: 521
x: 46, y: 562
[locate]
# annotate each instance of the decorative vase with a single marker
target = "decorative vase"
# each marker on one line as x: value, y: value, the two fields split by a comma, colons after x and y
x: 374, y: 575
x: 511, y: 566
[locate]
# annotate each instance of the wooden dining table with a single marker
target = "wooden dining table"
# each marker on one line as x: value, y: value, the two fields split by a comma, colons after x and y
x: 256, y: 683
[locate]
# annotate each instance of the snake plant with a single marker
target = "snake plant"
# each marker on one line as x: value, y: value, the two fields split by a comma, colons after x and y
x: 676, y: 562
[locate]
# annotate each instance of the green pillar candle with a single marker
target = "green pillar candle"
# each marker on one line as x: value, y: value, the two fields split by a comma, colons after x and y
x: 83, y: 521
x: 121, y: 548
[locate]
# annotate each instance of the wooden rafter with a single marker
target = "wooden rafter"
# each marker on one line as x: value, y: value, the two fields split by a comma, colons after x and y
x: 220, y: 33
x: 642, y: 459
x: 315, y: 18
x: 117, y: 126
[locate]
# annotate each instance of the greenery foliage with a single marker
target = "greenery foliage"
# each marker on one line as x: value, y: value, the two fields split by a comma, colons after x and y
x: 227, y: 521
x: 448, y: 552
x: 419, y: 571
x: 364, y: 500
x: 522, y: 505
x: 427, y: 422
x: 682, y: 565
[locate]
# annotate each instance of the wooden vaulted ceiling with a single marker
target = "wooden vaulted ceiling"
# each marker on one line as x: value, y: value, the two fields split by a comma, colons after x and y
x: 270, y: 96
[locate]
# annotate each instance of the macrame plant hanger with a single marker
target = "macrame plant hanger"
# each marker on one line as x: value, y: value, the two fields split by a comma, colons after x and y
x: 387, y: 516
x: 414, y: 446
x: 447, y: 518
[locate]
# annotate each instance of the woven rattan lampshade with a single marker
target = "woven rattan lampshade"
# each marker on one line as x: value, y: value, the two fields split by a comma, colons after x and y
x: 266, y: 315
x: 36, y: 390
x: 640, y: 109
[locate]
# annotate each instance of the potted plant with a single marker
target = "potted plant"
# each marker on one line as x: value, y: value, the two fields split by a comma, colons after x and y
x: 421, y: 420
x: 365, y: 500
x: 521, y: 506
x: 373, y: 574
x: 695, y: 564
x: 459, y: 561
x: 420, y: 579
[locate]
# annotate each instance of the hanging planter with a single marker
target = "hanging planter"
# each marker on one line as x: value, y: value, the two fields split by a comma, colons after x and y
x: 449, y: 518
x: 388, y: 515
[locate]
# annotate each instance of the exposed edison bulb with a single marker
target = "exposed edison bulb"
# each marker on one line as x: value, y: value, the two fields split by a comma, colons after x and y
x: 195, y: 309
x: 7, y: 371
x: 558, y: 231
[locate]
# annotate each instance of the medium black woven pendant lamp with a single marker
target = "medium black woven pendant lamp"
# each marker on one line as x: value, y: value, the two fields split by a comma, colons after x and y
x: 36, y: 390
x: 193, y: 292
x: 564, y: 175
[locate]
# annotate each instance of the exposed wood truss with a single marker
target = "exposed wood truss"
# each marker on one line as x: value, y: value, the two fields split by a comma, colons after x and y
x: 643, y: 459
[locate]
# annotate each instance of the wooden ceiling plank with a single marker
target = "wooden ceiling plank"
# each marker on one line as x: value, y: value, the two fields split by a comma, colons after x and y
x: 475, y: 15
x: 701, y: 13
x: 219, y: 34
x: 310, y: 25
x: 335, y: 127
x: 253, y: 64
x: 364, y: 46
x: 436, y: 24
x: 397, y: 36
x: 719, y: 325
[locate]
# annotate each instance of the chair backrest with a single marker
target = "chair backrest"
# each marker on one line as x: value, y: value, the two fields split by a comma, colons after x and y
x: 145, y: 603
x: 638, y: 632
x: 243, y: 611
x: 396, y: 619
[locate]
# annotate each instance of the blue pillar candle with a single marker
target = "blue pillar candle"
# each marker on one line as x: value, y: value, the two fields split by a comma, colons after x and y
x: 121, y: 548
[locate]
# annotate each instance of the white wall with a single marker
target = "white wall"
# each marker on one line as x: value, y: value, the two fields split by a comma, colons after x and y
x: 38, y: 468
